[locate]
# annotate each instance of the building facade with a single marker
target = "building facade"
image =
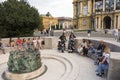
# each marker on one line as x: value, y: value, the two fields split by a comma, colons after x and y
x: 65, y: 22
x: 49, y: 21
x: 96, y: 14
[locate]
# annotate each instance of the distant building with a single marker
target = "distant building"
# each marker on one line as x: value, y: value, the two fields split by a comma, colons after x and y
x: 96, y: 14
x: 49, y: 21
x: 65, y: 22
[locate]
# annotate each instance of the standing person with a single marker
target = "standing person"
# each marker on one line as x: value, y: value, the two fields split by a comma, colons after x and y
x: 116, y: 33
x: 44, y: 32
x: 89, y: 32
x: 29, y: 42
x: 25, y: 46
x: 1, y: 46
x: 40, y: 42
x: 11, y: 43
x: 85, y: 47
x: 34, y: 42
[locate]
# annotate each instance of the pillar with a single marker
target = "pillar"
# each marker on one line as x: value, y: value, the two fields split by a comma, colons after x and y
x: 111, y: 23
x: 55, y: 26
x: 114, y: 22
x: 63, y: 25
x: 78, y: 8
x: 118, y: 22
x: 88, y: 6
x: 93, y: 6
x: 96, y: 23
x: 59, y: 25
x: 103, y: 5
x: 114, y: 4
x: 81, y: 8
x: 99, y: 22
x: 74, y: 9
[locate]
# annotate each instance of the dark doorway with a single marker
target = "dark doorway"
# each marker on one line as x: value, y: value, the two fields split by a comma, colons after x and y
x: 107, y: 22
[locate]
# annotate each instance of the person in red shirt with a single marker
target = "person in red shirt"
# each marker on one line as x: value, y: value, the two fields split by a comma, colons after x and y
x: 19, y: 43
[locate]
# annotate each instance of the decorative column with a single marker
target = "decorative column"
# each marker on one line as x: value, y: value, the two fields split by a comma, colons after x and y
x: 89, y: 3
x: 96, y: 23
x: 111, y: 24
x: 100, y: 22
x: 78, y: 6
x: 63, y: 25
x: 81, y: 8
x: 74, y: 9
x: 59, y: 25
x: 114, y: 4
x: 103, y: 5
x: 93, y: 6
x: 114, y: 22
x: 118, y: 22
x: 55, y: 27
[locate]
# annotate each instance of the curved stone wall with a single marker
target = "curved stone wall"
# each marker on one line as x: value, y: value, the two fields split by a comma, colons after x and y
x: 114, y: 66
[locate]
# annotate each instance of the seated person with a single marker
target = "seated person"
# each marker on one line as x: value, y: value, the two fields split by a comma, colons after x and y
x: 99, y: 51
x: 104, y: 64
x: 80, y: 49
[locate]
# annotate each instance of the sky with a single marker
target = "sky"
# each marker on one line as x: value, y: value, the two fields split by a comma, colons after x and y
x: 57, y: 8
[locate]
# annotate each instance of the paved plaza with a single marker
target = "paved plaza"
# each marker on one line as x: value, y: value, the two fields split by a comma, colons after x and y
x: 65, y: 66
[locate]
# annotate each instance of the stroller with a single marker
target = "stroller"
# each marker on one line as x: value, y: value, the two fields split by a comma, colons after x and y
x: 71, y: 45
x: 61, y: 46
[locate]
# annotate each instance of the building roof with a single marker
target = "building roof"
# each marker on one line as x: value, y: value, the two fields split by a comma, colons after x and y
x: 64, y: 19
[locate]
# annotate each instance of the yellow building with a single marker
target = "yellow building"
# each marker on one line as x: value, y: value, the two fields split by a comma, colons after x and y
x: 49, y: 21
x: 96, y: 14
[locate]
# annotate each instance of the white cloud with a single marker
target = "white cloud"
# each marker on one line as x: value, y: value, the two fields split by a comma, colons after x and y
x: 57, y: 8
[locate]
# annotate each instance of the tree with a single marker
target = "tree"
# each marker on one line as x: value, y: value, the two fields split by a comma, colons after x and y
x: 41, y: 24
x: 18, y: 18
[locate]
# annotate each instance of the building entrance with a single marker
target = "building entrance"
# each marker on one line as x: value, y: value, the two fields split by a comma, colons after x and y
x: 107, y: 22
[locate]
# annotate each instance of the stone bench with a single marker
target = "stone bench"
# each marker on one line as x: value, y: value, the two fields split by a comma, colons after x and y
x: 114, y: 67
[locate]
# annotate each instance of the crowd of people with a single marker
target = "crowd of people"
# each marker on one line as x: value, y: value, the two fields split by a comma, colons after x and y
x: 23, y: 43
x: 85, y: 48
x: 101, y: 54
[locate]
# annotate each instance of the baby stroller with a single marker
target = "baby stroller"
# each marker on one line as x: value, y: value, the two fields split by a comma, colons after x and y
x: 61, y: 46
x: 71, y: 45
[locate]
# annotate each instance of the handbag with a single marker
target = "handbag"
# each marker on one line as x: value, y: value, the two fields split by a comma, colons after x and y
x: 43, y: 42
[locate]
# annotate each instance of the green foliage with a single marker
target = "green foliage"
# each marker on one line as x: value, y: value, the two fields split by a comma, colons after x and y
x: 17, y: 18
x: 24, y: 61
x: 40, y: 27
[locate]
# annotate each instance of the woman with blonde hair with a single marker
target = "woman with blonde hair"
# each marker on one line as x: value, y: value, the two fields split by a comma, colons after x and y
x: 104, y: 64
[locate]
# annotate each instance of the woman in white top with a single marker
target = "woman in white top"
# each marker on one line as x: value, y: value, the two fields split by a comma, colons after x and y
x: 34, y: 42
x: 104, y: 64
